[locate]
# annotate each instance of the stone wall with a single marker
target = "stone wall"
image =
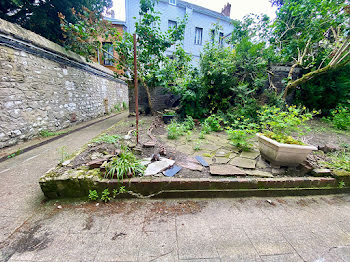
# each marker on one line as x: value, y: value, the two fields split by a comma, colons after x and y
x: 45, y: 87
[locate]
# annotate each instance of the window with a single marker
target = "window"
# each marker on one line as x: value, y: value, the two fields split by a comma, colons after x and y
x: 212, y: 35
x: 172, y: 24
x: 107, y: 53
x: 198, y: 36
x: 221, y: 39
x: 172, y: 2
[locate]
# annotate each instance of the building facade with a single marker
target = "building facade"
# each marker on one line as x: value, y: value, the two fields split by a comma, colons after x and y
x: 199, y: 27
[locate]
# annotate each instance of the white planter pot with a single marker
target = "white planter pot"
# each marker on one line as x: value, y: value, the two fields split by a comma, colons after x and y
x: 283, y: 154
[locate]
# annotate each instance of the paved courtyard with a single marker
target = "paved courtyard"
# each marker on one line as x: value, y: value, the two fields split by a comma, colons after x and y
x: 241, y: 229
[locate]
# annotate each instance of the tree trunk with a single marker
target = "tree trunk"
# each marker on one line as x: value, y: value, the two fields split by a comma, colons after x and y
x: 149, y: 98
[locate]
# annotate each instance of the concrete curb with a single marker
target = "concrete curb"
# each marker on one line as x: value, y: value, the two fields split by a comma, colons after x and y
x: 27, y: 149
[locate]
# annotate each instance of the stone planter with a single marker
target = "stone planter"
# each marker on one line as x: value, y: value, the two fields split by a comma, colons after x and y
x: 283, y: 154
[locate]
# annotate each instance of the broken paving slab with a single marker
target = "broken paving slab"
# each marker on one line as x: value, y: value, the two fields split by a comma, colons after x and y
x: 192, y: 166
x: 209, y: 160
x: 209, y: 147
x: 258, y: 173
x: 226, y: 170
x: 222, y: 153
x: 158, y: 166
x: 250, y: 154
x: 243, y: 162
x: 321, y: 172
x: 172, y: 171
x: 221, y: 160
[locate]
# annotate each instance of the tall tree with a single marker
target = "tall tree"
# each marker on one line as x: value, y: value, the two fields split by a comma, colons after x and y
x: 41, y: 16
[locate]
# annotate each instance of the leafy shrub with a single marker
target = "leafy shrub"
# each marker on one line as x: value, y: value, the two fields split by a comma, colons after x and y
x: 241, y: 138
x: 175, y: 130
x: 189, y: 123
x: 278, y: 124
x: 125, y: 165
x: 125, y: 106
x: 117, y: 108
x: 339, y: 160
x: 340, y: 117
x: 105, y: 197
x: 326, y: 91
x: 93, y: 195
x: 205, y: 129
x: 214, y: 122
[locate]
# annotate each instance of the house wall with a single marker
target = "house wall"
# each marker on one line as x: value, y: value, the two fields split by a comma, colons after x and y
x: 196, y: 18
x: 45, y: 87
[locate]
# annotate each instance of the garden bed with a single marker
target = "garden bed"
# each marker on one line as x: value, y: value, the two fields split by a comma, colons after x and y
x: 230, y: 169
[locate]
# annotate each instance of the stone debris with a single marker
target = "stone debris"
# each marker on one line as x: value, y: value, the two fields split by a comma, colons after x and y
x: 158, y: 166
x: 209, y: 160
x: 172, y: 171
x: 96, y: 155
x: 250, y: 154
x: 149, y: 144
x: 222, y: 153
x: 226, y: 170
x: 243, y: 162
x: 327, y: 148
x: 155, y: 157
x: 258, y: 173
x: 221, y: 160
x: 192, y: 166
x: 146, y: 161
x: 96, y: 163
x: 66, y: 163
x: 262, y: 164
x: 232, y: 155
x: 321, y: 172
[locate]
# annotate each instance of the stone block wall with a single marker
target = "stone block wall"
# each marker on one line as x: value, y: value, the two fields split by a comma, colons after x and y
x: 45, y: 87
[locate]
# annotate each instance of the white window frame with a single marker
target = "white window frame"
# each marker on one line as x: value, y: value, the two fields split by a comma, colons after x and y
x: 172, y: 2
x: 198, y: 36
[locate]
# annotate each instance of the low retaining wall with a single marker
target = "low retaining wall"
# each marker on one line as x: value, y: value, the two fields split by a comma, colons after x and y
x: 45, y: 87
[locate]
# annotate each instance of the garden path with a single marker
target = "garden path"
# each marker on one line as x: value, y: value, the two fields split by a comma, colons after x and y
x: 20, y: 193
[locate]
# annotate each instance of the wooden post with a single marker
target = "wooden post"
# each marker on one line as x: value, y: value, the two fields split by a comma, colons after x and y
x: 136, y: 91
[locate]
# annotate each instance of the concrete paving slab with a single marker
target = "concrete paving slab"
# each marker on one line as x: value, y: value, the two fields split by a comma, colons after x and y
x: 282, y: 257
x: 243, y: 162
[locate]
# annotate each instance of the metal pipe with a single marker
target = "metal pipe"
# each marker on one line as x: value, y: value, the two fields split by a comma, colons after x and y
x: 136, y: 91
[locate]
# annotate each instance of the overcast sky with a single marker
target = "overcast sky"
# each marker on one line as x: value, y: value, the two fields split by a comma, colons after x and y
x: 239, y: 8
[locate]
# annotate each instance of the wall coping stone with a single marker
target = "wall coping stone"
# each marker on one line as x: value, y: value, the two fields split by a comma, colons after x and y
x: 17, y: 33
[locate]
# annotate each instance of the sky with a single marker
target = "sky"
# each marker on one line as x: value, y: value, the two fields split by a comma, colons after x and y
x: 239, y: 8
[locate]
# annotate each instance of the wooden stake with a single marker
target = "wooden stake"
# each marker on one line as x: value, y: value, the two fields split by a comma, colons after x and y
x: 136, y: 91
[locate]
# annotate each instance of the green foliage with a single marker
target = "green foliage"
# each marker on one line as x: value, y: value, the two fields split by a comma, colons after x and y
x: 175, y: 130
x: 64, y: 155
x: 170, y: 113
x: 278, y: 124
x: 339, y: 160
x: 241, y: 138
x: 341, y: 184
x: 105, y: 138
x: 93, y: 195
x: 125, y: 106
x: 41, y: 16
x: 214, y: 123
x: 197, y: 146
x: 117, y: 108
x: 46, y: 133
x: 206, y: 129
x: 124, y: 165
x: 326, y: 91
x: 189, y: 123
x: 105, y: 197
x: 340, y: 117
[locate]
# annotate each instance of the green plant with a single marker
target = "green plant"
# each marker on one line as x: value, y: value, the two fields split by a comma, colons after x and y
x: 64, y: 155
x: 201, y: 135
x: 125, y: 165
x: 175, y: 130
x: 105, y: 138
x: 122, y: 190
x: 105, y: 197
x: 205, y: 129
x: 341, y: 184
x: 197, y: 146
x: 125, y: 106
x: 214, y: 122
x: 93, y: 195
x: 189, y: 123
x: 279, y: 124
x: 170, y: 113
x: 117, y: 108
x: 19, y: 151
x: 46, y: 133
x: 339, y: 160
x: 340, y: 117
x: 241, y: 138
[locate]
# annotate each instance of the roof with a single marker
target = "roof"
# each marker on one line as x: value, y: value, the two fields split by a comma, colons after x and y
x: 201, y: 9
x: 115, y: 21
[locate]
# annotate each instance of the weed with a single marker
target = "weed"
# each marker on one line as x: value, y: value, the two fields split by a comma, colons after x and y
x: 125, y: 106
x: 117, y: 108
x: 341, y: 184
x: 340, y: 118
x: 175, y: 130
x: 93, y: 195
x: 214, y: 122
x: 240, y: 138
x: 197, y: 146
x: 46, y: 133
x: 201, y: 135
x: 126, y: 165
x: 105, y: 197
x: 64, y: 155
x: 105, y: 138
x: 19, y: 151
